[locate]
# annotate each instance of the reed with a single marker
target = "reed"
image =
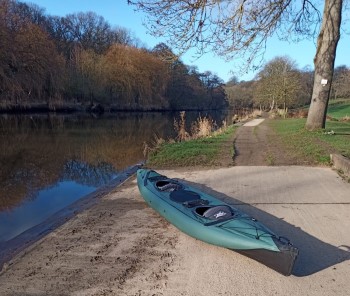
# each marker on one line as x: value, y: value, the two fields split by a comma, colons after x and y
x: 180, y: 127
x: 202, y: 127
x: 154, y: 145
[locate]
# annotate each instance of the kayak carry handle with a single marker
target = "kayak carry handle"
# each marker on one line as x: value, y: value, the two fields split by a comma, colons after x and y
x: 146, y: 178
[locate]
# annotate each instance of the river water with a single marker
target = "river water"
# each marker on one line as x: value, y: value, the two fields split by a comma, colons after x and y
x: 49, y: 161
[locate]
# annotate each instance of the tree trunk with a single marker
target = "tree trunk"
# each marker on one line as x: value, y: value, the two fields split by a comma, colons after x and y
x: 324, y: 64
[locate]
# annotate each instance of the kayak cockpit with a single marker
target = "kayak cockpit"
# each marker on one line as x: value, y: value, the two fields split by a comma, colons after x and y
x: 178, y: 194
x: 215, y: 212
x: 168, y: 185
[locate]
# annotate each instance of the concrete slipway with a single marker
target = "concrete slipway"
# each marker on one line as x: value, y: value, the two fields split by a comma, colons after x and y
x: 309, y: 205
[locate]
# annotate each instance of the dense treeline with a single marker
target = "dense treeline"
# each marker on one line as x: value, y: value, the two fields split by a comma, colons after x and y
x: 281, y: 85
x: 81, y: 60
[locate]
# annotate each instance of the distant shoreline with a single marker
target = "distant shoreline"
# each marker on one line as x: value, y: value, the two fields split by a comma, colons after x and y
x: 88, y: 108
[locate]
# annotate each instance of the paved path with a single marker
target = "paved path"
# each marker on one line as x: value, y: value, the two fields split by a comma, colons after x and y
x: 254, y: 122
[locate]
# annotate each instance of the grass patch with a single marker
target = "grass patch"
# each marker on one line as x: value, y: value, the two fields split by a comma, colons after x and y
x: 314, y: 147
x: 270, y: 159
x: 339, y: 109
x: 202, y: 151
x: 340, y: 141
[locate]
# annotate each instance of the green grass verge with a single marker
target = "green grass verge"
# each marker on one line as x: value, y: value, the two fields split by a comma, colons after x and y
x: 314, y: 147
x: 203, y: 152
x: 339, y: 109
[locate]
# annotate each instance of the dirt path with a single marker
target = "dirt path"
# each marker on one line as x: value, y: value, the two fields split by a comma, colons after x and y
x: 259, y: 145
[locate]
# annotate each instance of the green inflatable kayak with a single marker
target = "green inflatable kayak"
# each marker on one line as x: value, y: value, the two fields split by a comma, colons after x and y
x: 206, y: 218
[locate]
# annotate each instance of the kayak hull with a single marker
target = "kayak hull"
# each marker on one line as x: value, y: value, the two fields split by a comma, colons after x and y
x: 204, y: 217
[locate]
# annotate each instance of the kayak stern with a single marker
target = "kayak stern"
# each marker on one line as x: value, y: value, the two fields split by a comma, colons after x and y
x: 282, y: 261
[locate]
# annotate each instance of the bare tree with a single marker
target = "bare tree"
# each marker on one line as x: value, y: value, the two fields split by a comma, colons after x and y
x: 242, y: 27
x: 279, y: 84
x: 240, y: 95
x: 136, y: 78
x: 324, y: 64
x: 341, y: 82
x: 87, y: 30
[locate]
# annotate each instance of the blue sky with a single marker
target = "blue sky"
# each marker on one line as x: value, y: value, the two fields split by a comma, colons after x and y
x: 118, y: 13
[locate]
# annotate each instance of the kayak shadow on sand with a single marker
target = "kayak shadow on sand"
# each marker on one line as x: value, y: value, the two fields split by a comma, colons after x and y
x: 314, y: 254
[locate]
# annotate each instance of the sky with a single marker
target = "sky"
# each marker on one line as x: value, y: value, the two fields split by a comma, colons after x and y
x: 119, y: 13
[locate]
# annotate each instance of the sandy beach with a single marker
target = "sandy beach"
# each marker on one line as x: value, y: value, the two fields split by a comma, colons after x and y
x: 122, y: 247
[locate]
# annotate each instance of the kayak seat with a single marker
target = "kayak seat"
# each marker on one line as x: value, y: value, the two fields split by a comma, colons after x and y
x: 168, y: 185
x: 216, y: 212
x: 182, y: 196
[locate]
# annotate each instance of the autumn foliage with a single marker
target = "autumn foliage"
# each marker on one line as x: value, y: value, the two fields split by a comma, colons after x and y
x: 80, y: 59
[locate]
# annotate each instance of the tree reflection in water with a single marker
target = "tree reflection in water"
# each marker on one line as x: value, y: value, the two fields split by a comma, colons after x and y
x: 87, y: 174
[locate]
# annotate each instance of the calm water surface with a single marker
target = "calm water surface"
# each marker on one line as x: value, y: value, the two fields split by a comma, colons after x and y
x: 47, y: 162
